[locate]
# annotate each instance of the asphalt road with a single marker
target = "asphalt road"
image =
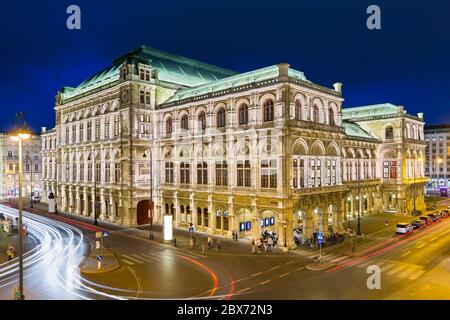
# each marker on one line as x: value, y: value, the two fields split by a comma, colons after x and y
x: 415, y: 266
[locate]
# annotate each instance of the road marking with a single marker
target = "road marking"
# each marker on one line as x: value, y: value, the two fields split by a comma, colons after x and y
x: 128, y: 262
x: 235, y: 281
x: 137, y: 256
x: 339, y: 259
x: 365, y: 264
x: 132, y: 259
x: 421, y: 245
x: 244, y: 290
x: 256, y: 274
x: 264, y: 282
x: 417, y: 274
x: 150, y: 256
x: 443, y: 233
x: 405, y: 273
x: 433, y: 239
x: 292, y: 261
x: 274, y: 268
x: 284, y: 274
x: 386, y: 268
x: 405, y: 254
x: 301, y: 268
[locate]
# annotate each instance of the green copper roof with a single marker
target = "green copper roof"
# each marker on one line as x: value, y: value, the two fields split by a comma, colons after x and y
x: 233, y: 81
x: 172, y: 68
x: 354, y: 130
x: 375, y: 110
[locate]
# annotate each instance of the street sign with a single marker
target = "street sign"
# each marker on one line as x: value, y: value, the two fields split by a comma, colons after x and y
x: 319, y: 236
x: 99, y: 258
x: 98, y: 234
x: 105, y: 234
x: 320, y: 241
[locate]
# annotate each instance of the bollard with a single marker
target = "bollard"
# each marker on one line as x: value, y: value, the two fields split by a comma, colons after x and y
x: 99, y: 265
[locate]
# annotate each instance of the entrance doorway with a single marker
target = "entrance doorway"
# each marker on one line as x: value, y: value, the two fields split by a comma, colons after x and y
x: 143, y: 212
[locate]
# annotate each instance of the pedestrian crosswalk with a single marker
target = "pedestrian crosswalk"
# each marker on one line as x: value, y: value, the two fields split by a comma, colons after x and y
x: 395, y: 269
x: 151, y: 257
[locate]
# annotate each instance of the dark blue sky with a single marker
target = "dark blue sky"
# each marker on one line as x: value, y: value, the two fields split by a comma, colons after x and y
x: 406, y: 63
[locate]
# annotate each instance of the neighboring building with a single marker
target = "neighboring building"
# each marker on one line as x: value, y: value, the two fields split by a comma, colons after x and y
x: 437, y: 165
x: 265, y: 149
x: 31, y: 166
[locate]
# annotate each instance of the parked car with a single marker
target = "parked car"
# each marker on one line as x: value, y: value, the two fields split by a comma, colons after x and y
x: 418, y: 224
x: 434, y: 217
x: 403, y: 228
x: 426, y: 219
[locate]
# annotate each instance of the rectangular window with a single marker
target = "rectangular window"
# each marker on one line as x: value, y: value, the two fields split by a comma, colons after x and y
x: 147, y: 75
x: 81, y: 171
x: 141, y: 74
x: 106, y: 128
x: 89, y: 171
x: 169, y: 172
x: 269, y: 173
x: 67, y: 134
x: 393, y: 169
x: 221, y: 173
x: 67, y: 172
x: 97, y: 172
x: 74, y: 133
x: 243, y: 173
x: 74, y: 171
x: 147, y: 97
x: 295, y: 173
x: 89, y: 131
x: 81, y: 137
x: 142, y: 96
x: 97, y: 129
x: 184, y: 173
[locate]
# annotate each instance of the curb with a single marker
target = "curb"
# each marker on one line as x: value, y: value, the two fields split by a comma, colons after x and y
x: 115, y: 264
x: 320, y: 266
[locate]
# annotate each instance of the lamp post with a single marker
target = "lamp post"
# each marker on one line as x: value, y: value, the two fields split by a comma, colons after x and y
x: 151, y: 194
x: 18, y: 135
x: 284, y: 227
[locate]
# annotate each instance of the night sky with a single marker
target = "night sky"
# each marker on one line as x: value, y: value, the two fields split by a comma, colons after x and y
x: 407, y: 62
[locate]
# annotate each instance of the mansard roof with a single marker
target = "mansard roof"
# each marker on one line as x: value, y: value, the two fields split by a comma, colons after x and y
x: 354, y: 130
x: 233, y: 81
x: 172, y: 68
x: 375, y: 110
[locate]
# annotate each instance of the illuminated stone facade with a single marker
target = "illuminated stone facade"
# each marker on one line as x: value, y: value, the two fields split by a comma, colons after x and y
x: 266, y: 149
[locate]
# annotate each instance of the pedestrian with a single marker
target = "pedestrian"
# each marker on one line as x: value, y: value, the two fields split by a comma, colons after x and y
x: 270, y: 244
x: 209, y: 242
x: 253, y: 246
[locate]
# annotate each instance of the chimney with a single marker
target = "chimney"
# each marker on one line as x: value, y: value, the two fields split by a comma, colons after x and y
x: 338, y: 87
x: 283, y: 71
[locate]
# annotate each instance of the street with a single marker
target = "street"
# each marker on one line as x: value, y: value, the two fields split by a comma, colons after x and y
x: 413, y: 266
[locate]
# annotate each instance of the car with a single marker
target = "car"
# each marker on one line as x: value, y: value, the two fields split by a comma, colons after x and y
x: 403, y: 228
x: 426, y: 219
x: 418, y: 224
x: 433, y: 217
x: 445, y: 213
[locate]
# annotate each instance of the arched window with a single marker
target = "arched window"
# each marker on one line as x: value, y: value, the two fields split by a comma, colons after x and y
x: 298, y: 110
x: 221, y: 118
x: 243, y: 114
x: 202, y: 120
x: 184, y: 122
x: 315, y: 113
x: 268, y: 110
x: 331, y: 117
x: 169, y: 126
x: 389, y: 134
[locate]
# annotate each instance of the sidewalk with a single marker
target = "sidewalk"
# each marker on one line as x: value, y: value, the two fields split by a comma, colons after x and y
x: 228, y: 246
x: 5, y: 241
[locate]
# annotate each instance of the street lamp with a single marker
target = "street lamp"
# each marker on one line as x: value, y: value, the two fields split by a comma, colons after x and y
x: 284, y: 227
x: 92, y: 154
x: 18, y: 135
x: 151, y: 194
